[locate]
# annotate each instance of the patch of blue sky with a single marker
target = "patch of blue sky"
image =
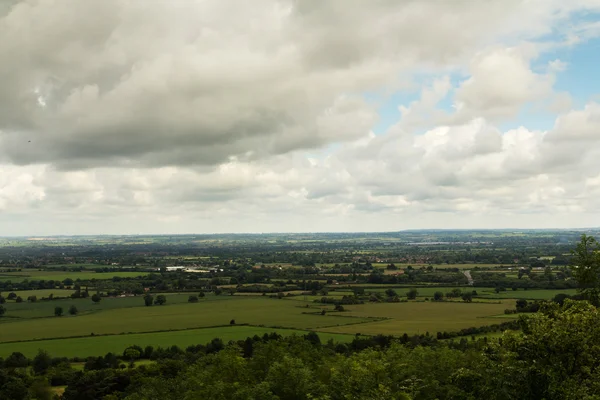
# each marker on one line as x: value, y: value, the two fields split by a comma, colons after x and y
x: 580, y: 79
x: 388, y: 106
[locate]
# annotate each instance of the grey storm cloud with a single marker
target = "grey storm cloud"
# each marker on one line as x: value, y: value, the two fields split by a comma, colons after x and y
x: 119, y: 82
x: 224, y: 115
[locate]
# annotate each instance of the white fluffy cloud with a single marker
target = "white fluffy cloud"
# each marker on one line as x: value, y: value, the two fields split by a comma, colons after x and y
x: 117, y: 116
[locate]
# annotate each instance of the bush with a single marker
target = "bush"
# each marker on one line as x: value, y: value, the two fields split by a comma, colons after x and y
x: 148, y: 300
x: 412, y: 294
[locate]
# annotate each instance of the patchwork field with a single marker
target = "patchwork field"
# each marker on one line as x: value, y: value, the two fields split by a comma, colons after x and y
x: 100, y: 345
x: 482, y: 292
x: 61, y: 275
x: 116, y: 323
x: 40, y: 293
x: 421, y: 317
x: 42, y: 309
x: 245, y: 310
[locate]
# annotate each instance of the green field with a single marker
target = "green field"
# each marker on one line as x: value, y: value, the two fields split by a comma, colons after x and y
x: 417, y: 266
x: 447, y: 266
x: 530, y: 294
x: 483, y: 292
x: 62, y: 275
x: 77, y: 265
x: 40, y: 293
x: 42, y: 309
x: 127, y: 321
x: 100, y: 345
x: 245, y: 310
x: 420, y: 317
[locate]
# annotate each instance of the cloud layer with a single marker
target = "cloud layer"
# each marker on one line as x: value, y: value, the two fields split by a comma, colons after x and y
x: 232, y: 116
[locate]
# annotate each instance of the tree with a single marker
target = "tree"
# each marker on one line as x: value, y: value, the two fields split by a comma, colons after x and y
x: 467, y: 297
x: 585, y: 266
x: 232, y: 322
x: 160, y: 299
x: 2, y: 310
x: 41, y: 390
x: 32, y: 299
x: 131, y: 354
x: 12, y: 296
x: 19, y: 299
x: 193, y: 299
x: 218, y: 291
x: 73, y: 310
x: 58, y: 311
x: 555, y: 353
x: 521, y: 304
x: 41, y: 362
x: 201, y: 294
x: 390, y: 293
x: 148, y: 300
x: 96, y: 298
x: 16, y: 360
x: 438, y: 296
x: 2, y: 300
x: 412, y: 294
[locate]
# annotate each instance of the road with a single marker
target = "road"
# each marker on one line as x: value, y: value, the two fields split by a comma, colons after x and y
x: 468, y: 275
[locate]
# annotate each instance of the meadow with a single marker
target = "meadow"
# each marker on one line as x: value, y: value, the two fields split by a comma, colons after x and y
x: 531, y: 294
x: 482, y: 292
x: 116, y: 323
x: 100, y: 345
x: 41, y: 309
x: 421, y: 317
x: 39, y: 293
x: 62, y: 275
x: 253, y: 310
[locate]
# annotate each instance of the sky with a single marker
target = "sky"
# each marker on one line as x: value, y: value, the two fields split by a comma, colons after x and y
x: 202, y: 116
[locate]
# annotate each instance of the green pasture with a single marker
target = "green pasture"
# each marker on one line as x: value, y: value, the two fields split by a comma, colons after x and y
x: 41, y: 309
x: 62, y: 275
x: 84, y: 265
x: 420, y: 317
x: 39, y: 293
x: 482, y: 292
x: 445, y: 266
x: 100, y: 345
x: 530, y: 294
x: 422, y: 291
x: 244, y: 309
